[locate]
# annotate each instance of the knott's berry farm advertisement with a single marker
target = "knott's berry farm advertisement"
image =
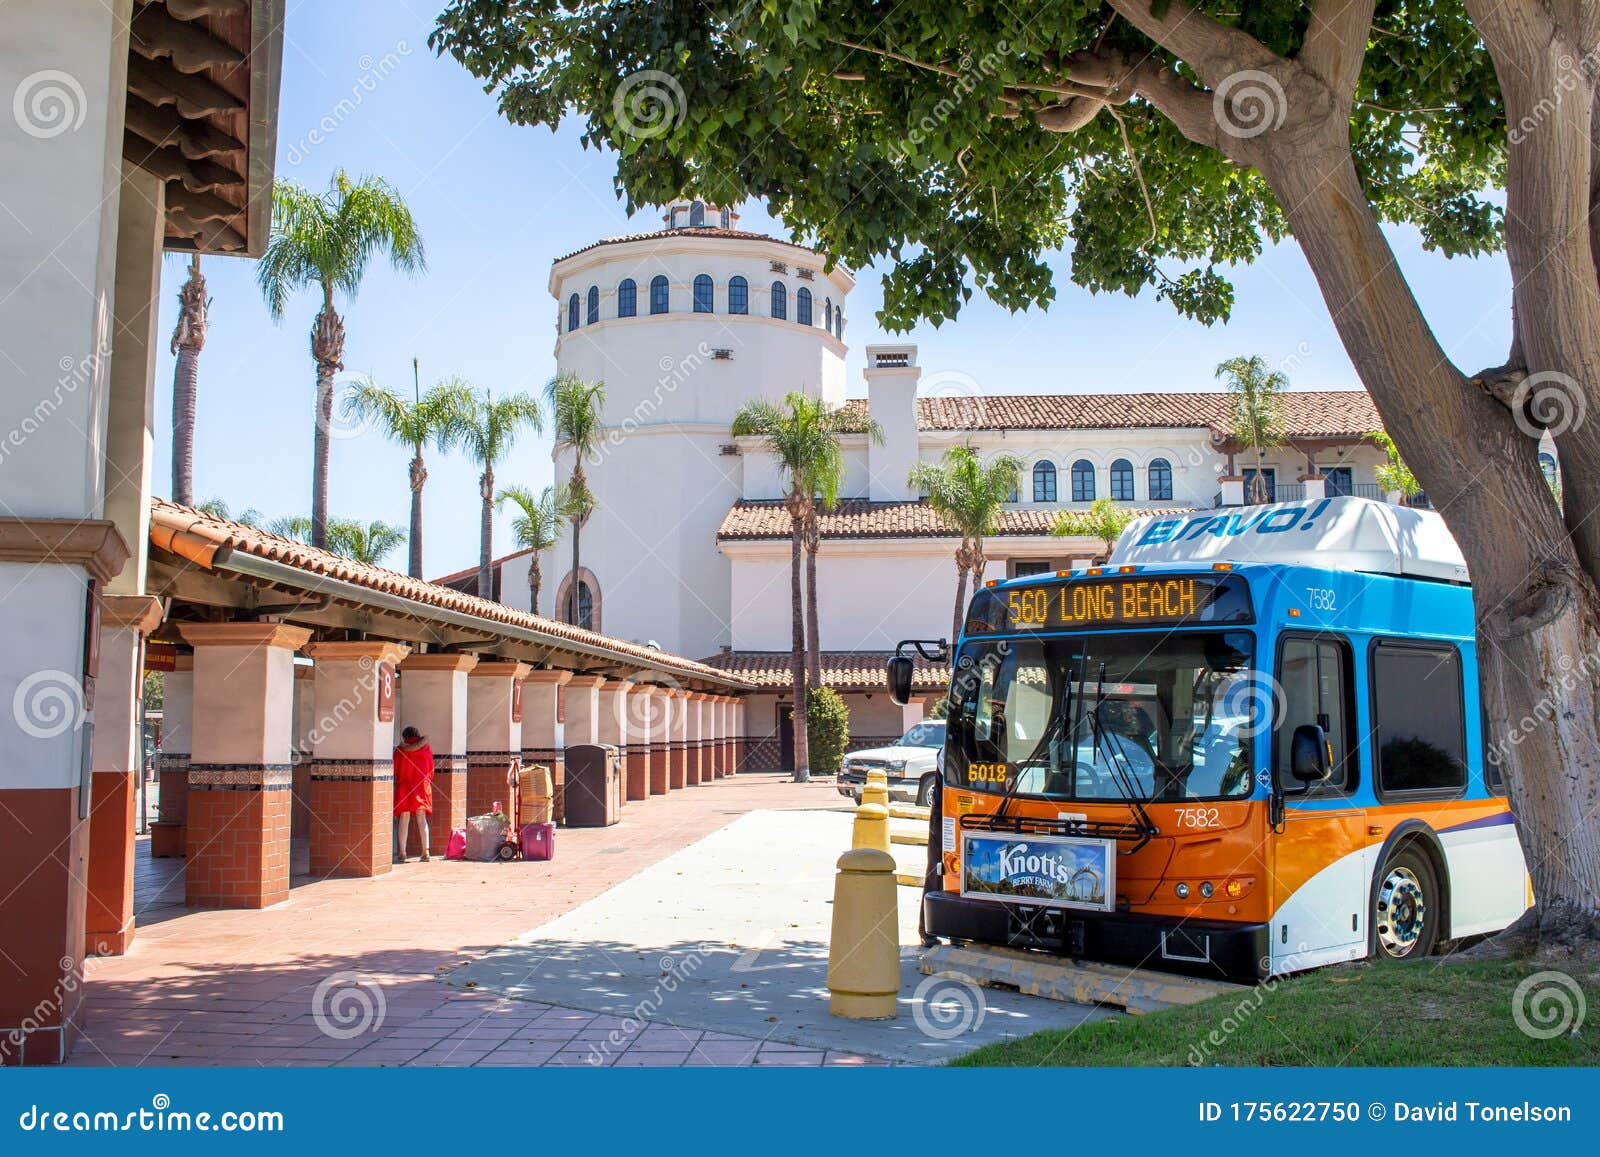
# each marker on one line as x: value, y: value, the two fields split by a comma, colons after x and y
x: 1051, y: 870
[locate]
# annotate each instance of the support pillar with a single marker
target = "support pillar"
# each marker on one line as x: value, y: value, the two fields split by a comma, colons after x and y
x: 543, y: 707
x: 352, y: 758
x: 433, y: 699
x: 678, y: 731
x: 713, y: 757
x: 305, y: 719
x: 726, y: 708
x: 740, y: 739
x: 695, y: 736
x: 239, y: 774
x: 125, y: 621
x: 657, y: 762
x: 611, y: 725
x: 494, y: 731
x: 582, y: 698
x: 168, y: 832
x: 640, y: 724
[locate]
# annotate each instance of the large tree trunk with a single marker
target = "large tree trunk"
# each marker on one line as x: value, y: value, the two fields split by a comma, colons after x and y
x: 486, y: 534
x: 797, y: 656
x: 1538, y: 612
x: 188, y: 339
x: 419, y: 475
x: 813, y: 630
x: 327, y: 349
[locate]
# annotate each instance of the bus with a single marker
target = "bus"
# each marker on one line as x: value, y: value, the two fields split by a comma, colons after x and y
x: 1249, y: 744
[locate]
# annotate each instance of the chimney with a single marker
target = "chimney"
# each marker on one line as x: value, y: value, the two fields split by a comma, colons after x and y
x: 892, y: 375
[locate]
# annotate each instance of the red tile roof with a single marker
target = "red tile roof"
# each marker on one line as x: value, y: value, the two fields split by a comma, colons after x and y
x: 861, y: 518
x: 1306, y: 413
x: 206, y: 540
x: 841, y: 670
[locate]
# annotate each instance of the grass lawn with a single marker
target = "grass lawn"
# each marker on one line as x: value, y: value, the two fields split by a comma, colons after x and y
x: 1427, y: 1013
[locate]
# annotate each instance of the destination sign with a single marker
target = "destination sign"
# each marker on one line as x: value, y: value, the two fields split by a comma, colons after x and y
x: 1156, y: 601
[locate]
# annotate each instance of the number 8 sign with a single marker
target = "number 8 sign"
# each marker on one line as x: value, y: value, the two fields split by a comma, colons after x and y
x: 385, y: 692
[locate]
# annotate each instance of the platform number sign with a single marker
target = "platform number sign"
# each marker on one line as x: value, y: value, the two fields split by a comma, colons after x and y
x: 516, y: 701
x: 385, y: 692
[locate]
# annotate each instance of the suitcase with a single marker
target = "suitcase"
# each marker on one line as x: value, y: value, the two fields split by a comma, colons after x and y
x: 456, y: 849
x: 538, y: 841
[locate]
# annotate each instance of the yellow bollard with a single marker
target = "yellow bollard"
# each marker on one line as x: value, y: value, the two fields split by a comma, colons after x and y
x: 871, y: 829
x: 876, y: 789
x: 864, y: 951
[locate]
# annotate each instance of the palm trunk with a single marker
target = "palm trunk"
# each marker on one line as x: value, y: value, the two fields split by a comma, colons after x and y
x: 327, y: 349
x: 797, y: 657
x: 961, y: 600
x: 486, y: 534
x: 419, y: 475
x: 533, y: 584
x: 813, y: 631
x: 578, y: 485
x: 188, y: 338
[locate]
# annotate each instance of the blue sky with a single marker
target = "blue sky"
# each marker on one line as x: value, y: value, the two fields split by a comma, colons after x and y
x: 496, y: 204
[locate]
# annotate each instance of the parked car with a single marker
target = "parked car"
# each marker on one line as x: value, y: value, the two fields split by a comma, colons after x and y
x: 910, y: 763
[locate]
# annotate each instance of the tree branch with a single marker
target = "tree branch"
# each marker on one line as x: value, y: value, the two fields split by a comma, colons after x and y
x: 1214, y: 50
x: 1336, y: 44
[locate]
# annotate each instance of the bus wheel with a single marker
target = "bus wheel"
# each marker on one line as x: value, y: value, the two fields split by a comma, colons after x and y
x: 925, y: 789
x: 1406, y: 912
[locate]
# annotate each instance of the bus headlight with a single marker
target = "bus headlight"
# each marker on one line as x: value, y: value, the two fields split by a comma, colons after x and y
x: 1206, y: 890
x: 1183, y: 891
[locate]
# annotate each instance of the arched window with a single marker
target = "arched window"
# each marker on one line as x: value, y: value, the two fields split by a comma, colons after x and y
x: 658, y: 293
x: 838, y: 323
x: 802, y: 306
x: 594, y: 305
x: 827, y: 315
x: 1122, y: 480
x: 1082, y: 481
x: 702, y: 293
x: 585, y: 607
x: 572, y: 313
x: 738, y: 295
x: 1552, y: 472
x: 697, y: 215
x: 1044, y: 481
x: 627, y: 298
x: 780, y: 301
x: 1160, y: 480
x: 724, y: 218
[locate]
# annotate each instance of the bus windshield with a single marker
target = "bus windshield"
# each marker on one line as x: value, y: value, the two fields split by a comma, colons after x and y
x: 1105, y: 716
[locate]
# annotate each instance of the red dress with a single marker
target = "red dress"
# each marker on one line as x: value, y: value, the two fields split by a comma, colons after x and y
x: 413, y: 779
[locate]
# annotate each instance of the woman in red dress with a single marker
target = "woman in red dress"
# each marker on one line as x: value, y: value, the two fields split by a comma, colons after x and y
x: 413, y: 790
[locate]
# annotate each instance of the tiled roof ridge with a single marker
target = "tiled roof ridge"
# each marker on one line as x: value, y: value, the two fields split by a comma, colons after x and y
x: 866, y: 518
x: 688, y: 230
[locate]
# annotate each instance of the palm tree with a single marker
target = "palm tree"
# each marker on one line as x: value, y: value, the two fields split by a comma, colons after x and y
x: 1256, y: 416
x: 188, y: 339
x: 367, y: 542
x: 968, y: 494
x: 1104, y: 520
x: 488, y: 427
x: 576, y: 410
x: 802, y: 434
x: 824, y: 484
x: 1394, y: 475
x: 325, y: 240
x: 537, y: 527
x: 423, y: 420
x: 217, y: 508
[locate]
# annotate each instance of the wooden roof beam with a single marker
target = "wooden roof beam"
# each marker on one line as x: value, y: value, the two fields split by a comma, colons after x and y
x: 155, y: 35
x: 171, y: 165
x: 194, y: 97
x: 196, y: 140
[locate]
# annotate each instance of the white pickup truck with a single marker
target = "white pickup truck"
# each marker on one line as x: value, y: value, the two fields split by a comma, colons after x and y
x: 910, y: 764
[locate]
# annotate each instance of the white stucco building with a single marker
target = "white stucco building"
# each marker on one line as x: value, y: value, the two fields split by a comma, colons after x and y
x: 688, y: 547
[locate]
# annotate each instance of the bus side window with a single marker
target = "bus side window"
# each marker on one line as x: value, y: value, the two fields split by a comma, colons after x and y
x: 1419, y: 730
x: 1314, y: 673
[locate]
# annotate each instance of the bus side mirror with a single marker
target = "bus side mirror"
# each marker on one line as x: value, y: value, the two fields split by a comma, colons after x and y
x: 899, y: 671
x: 1308, y: 754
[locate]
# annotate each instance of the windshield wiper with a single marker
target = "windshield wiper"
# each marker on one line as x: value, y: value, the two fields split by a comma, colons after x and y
x: 1121, y: 771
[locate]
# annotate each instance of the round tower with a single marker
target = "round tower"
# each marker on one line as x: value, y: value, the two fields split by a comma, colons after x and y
x: 684, y: 325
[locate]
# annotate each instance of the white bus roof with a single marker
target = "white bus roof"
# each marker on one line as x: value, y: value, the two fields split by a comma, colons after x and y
x: 1353, y: 534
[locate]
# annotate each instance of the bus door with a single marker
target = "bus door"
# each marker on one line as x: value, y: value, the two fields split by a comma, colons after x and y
x: 1319, y: 858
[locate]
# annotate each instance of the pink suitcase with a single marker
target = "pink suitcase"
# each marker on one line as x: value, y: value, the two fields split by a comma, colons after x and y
x: 538, y: 841
x: 456, y: 849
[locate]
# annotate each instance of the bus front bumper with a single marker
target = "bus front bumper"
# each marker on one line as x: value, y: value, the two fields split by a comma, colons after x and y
x: 1210, y: 948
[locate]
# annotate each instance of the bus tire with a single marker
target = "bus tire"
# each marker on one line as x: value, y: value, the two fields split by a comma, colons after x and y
x: 925, y: 789
x: 1407, y: 910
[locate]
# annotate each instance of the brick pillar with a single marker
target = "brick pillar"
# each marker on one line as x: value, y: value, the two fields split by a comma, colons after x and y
x: 543, y: 693
x: 433, y: 699
x: 305, y: 720
x: 677, y: 725
x: 118, y: 760
x: 708, y: 762
x: 724, y: 736
x: 167, y: 832
x: 657, y: 762
x: 352, y: 758
x: 637, y: 722
x: 739, y: 741
x: 239, y: 777
x: 611, y: 723
x: 581, y: 697
x: 693, y: 736
x: 494, y: 731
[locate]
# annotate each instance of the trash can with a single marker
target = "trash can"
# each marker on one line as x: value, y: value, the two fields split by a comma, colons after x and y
x: 594, y: 785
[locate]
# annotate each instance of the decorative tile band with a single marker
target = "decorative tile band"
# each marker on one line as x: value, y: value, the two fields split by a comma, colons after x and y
x: 352, y: 771
x: 240, y: 777
x: 488, y: 756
